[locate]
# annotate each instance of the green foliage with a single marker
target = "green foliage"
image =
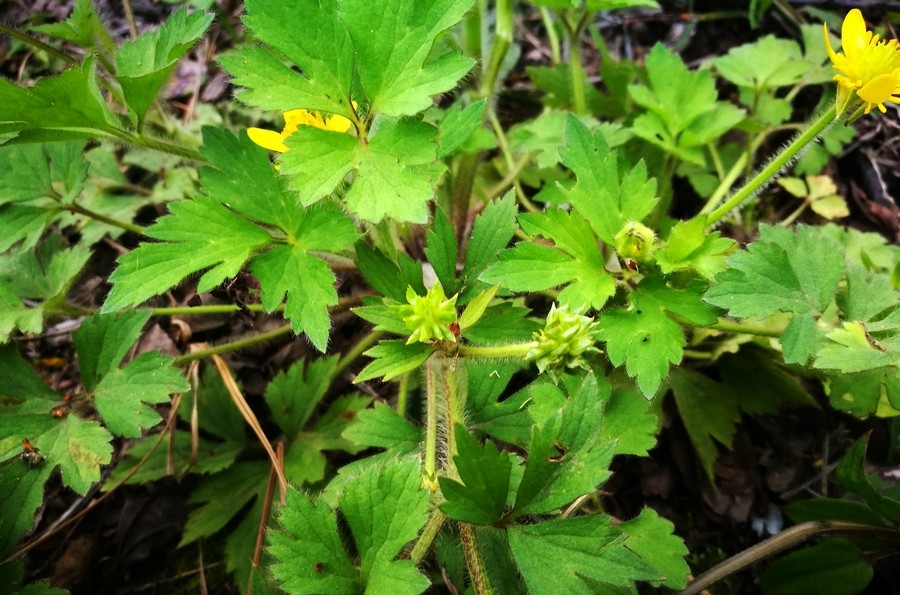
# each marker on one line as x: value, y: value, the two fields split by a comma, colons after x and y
x: 832, y: 567
x: 709, y: 412
x: 477, y: 466
x: 682, y: 112
x: 68, y: 105
x: 384, y: 506
x: 605, y: 194
x: 144, y: 64
x: 585, y: 553
x: 389, y: 69
x: 42, y: 277
x: 217, y: 232
x: 480, y: 495
x: 645, y: 338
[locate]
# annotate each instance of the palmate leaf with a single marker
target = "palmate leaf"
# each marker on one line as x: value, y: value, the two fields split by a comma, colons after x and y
x: 645, y: 338
x: 783, y: 272
x: 144, y: 64
x: 393, y: 41
x: 385, y: 507
x: 222, y: 231
x: 69, y: 104
x: 396, y: 170
x: 78, y: 448
x: 567, y: 456
x: 381, y: 54
x: 580, y: 553
x: 120, y: 393
x: 534, y: 267
x: 604, y: 194
x: 43, y: 274
x: 39, y: 170
x: 683, y: 114
x: 480, y: 495
x: 650, y: 537
x: 311, y: 35
x: 709, y: 411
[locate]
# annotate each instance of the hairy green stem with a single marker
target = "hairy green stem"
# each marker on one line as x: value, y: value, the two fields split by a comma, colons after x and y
x: 785, y: 540
x: 234, y: 345
x: 724, y: 185
x: 433, y: 526
x: 429, y: 467
x: 473, y: 24
x: 403, y: 394
x: 474, y: 562
x: 508, y: 351
x: 455, y: 393
x: 780, y: 161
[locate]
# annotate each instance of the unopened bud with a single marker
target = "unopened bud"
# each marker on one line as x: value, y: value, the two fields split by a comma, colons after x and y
x: 635, y: 242
x: 429, y: 317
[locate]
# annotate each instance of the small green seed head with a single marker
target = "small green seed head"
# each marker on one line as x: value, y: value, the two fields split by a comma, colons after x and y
x: 565, y: 341
x: 635, y: 242
x: 429, y: 317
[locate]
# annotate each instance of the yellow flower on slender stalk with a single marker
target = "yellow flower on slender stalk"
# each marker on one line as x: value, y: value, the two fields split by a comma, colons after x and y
x: 274, y: 141
x: 869, y: 66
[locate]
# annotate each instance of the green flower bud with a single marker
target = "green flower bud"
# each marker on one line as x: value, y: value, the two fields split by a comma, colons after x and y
x: 566, y: 339
x: 429, y: 317
x: 635, y: 242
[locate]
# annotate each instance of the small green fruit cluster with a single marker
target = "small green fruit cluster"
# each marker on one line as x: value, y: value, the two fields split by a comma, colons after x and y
x: 431, y: 317
x: 565, y: 341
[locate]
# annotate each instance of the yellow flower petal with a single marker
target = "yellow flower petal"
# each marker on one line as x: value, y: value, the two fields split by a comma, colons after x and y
x: 869, y: 67
x: 268, y: 139
x: 879, y: 90
x: 854, y: 37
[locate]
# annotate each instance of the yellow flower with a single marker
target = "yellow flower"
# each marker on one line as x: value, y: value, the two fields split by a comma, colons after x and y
x: 294, y: 118
x: 869, y: 66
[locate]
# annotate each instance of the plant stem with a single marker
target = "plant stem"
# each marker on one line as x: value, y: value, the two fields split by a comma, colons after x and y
x: 785, y: 540
x: 730, y: 326
x: 77, y: 208
x: 403, y: 394
x: 503, y: 37
x: 508, y: 351
x: 474, y: 562
x: 503, y: 145
x: 429, y: 468
x: 36, y: 43
x: 455, y: 393
x: 552, y: 36
x: 234, y: 345
x: 206, y: 310
x: 461, y: 191
x: 149, y: 142
x: 433, y: 526
x: 724, y: 185
x: 356, y: 351
x: 576, y: 69
x: 780, y: 161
